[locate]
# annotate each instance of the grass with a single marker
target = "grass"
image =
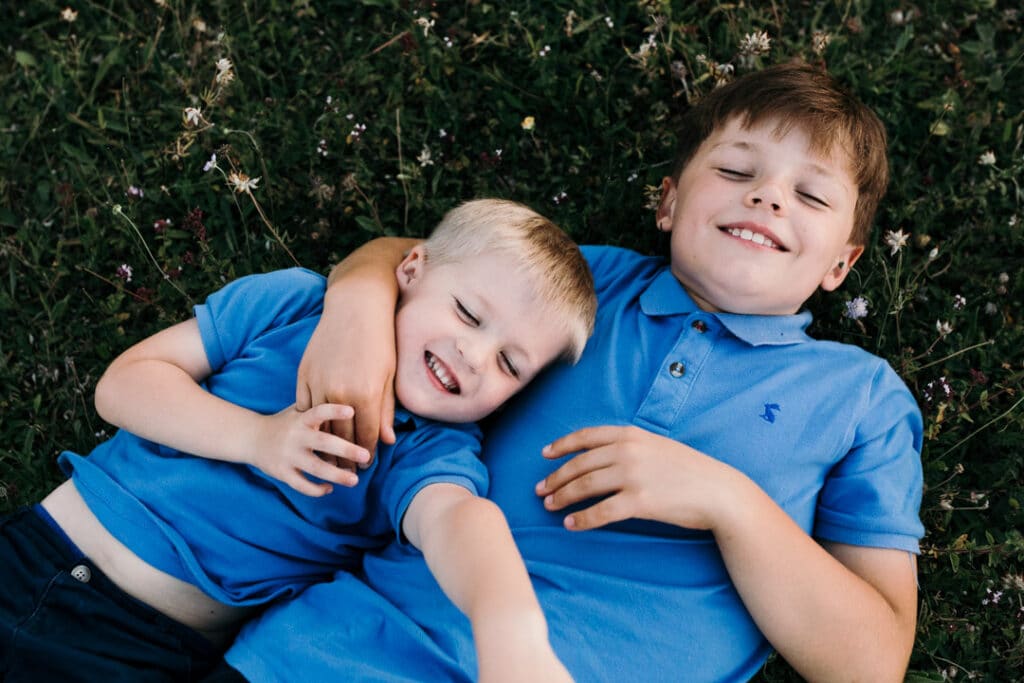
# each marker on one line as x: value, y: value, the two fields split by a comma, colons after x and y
x: 368, y: 118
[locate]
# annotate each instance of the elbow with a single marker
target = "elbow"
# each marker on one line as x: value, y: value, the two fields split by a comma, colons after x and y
x: 104, y: 399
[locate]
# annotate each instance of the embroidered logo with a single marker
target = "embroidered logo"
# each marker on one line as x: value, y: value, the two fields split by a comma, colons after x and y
x: 769, y: 412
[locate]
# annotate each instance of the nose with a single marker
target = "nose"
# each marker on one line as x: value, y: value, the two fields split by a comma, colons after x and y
x: 768, y: 195
x: 473, y: 352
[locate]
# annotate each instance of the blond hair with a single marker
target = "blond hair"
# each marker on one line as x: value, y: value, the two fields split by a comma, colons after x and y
x: 797, y: 94
x: 546, y: 255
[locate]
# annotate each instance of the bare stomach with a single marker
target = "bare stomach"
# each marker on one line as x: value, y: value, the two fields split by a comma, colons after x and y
x: 169, y: 595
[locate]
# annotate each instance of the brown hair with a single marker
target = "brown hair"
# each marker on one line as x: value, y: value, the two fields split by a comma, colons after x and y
x: 546, y: 255
x: 797, y: 94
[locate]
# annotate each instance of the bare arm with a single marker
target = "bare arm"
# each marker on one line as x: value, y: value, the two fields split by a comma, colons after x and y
x: 836, y: 613
x: 469, y: 549
x: 153, y: 391
x: 350, y: 358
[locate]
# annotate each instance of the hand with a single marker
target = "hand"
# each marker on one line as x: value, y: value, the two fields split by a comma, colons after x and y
x: 350, y: 359
x: 643, y: 475
x: 542, y: 666
x: 291, y: 444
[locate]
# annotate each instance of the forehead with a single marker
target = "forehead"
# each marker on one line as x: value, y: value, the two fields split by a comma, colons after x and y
x: 826, y: 154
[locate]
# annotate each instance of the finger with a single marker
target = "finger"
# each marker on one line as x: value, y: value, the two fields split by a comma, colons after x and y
x: 387, y: 415
x: 588, y: 485
x: 574, y: 468
x: 298, y: 481
x: 367, y: 428
x: 612, y: 509
x: 303, y: 396
x: 325, y: 412
x: 338, y: 447
x: 582, y: 440
x: 321, y: 469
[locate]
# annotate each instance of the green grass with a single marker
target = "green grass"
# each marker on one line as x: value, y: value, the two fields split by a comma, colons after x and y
x: 93, y: 107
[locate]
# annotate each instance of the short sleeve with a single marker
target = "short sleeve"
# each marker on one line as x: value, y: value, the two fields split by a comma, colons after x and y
x: 245, y: 308
x: 433, y: 453
x: 872, y: 497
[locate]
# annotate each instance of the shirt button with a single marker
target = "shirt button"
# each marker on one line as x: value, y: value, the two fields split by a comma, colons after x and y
x: 700, y: 326
x: 677, y: 369
x: 81, y: 573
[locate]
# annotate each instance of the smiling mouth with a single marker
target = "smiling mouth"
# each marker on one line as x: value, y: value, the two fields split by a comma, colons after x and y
x: 749, y: 235
x: 441, y: 373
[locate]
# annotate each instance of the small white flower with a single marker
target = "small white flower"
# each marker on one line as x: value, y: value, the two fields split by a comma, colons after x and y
x: 896, y: 240
x: 754, y: 44
x: 1004, y: 278
x: 819, y: 41
x: 124, y: 271
x: 211, y: 163
x: 192, y: 115
x: 608, y: 21
x: 242, y: 183
x: 426, y: 24
x: 987, y: 159
x: 959, y: 302
x: 991, y: 308
x: 69, y: 15
x: 856, y: 308
x: 135, y: 192
x: 425, y: 157
x: 544, y: 51
x: 225, y: 73
x: 943, y: 327
x: 933, y: 254
x: 528, y: 123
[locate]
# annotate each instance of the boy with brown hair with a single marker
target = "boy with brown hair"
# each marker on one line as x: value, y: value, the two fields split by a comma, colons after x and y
x: 143, y: 563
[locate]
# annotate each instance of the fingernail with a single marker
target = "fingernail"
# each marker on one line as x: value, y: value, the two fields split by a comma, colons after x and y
x: 549, y: 501
x: 546, y: 450
x: 570, y: 522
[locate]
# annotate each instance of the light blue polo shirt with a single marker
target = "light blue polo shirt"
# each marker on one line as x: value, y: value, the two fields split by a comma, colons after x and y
x: 827, y: 430
x: 242, y: 537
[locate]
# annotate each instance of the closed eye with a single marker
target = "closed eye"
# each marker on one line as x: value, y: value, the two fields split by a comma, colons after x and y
x: 508, y: 365
x: 733, y: 173
x: 466, y: 315
x: 813, y: 199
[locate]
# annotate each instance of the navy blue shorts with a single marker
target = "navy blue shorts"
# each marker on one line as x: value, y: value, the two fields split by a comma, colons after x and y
x: 61, y: 619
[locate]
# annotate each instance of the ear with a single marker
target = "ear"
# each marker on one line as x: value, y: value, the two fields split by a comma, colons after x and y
x: 843, y: 263
x: 411, y: 269
x: 667, y: 204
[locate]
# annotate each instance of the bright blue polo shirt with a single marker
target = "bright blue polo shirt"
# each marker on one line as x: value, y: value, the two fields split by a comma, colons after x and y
x: 242, y: 537
x: 827, y: 430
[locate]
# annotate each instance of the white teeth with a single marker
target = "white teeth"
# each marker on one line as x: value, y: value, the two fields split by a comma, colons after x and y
x: 751, y: 236
x: 442, y: 375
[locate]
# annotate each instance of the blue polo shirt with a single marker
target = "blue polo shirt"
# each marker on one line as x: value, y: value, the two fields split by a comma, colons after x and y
x: 241, y: 536
x: 827, y: 430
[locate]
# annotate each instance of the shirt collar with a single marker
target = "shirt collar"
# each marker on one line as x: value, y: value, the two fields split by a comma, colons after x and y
x: 666, y: 296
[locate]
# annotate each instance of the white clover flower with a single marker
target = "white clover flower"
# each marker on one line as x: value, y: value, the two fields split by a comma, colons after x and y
x: 69, y: 15
x: 754, y: 44
x: 856, y: 308
x: 426, y: 157
x: 192, y: 116
x: 987, y: 159
x: 943, y: 327
x: 896, y: 240
x: 242, y: 183
x: 819, y: 41
x: 211, y: 163
x: 425, y: 24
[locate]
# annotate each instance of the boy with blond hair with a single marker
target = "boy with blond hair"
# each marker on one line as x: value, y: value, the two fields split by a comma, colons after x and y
x: 741, y: 486
x: 218, y: 496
